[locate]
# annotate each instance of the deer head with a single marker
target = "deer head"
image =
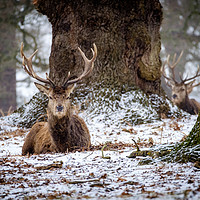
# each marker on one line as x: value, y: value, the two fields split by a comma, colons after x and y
x: 59, y: 104
x: 180, y: 90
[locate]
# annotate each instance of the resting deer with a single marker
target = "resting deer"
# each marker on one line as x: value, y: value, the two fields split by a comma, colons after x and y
x: 64, y: 130
x: 181, y: 90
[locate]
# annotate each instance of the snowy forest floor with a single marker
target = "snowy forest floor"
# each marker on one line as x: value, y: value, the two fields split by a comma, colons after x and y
x: 86, y: 175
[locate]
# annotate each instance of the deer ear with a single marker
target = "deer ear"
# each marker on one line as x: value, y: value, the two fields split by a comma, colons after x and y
x: 42, y: 88
x: 70, y: 88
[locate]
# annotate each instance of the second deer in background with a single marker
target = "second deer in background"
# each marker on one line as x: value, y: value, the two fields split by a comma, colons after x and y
x: 181, y: 90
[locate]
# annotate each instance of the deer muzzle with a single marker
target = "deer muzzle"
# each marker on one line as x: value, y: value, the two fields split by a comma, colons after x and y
x: 59, y: 108
x: 174, y: 96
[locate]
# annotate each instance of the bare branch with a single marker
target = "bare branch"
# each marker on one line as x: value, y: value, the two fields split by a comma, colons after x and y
x: 171, y: 67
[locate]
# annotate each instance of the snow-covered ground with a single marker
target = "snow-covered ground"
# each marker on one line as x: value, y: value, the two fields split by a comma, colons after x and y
x: 86, y: 175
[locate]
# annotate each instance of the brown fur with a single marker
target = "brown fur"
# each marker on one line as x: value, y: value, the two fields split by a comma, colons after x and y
x: 42, y: 139
x: 180, y: 98
x: 38, y: 140
x: 189, y: 105
x: 63, y: 132
x: 181, y: 90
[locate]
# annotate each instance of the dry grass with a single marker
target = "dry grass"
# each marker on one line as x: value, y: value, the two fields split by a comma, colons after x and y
x: 5, y: 135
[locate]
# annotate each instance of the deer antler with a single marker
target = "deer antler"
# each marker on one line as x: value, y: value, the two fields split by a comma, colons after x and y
x: 27, y: 65
x: 172, y: 67
x: 190, y: 84
x: 89, y: 65
x: 163, y: 72
x: 191, y: 78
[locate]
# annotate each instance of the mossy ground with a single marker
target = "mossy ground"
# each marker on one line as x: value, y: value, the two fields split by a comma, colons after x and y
x: 114, y: 105
x: 183, y: 152
x: 189, y: 149
x: 29, y: 113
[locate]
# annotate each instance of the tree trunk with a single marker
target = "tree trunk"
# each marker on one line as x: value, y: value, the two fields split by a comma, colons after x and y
x: 7, y: 60
x: 189, y: 149
x: 127, y: 37
x: 126, y: 34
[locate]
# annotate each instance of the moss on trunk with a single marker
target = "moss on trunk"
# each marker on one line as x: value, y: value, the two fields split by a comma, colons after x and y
x: 189, y: 149
x: 186, y: 151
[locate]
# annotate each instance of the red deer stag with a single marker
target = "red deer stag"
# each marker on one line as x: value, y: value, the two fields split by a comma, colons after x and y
x: 64, y: 130
x: 181, y: 90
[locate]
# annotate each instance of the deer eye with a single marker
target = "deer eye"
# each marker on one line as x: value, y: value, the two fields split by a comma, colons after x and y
x: 50, y: 97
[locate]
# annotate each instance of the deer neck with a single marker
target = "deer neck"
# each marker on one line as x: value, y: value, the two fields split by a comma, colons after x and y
x: 187, y: 105
x: 59, y: 129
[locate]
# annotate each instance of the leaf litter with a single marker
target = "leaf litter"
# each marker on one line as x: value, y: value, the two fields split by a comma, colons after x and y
x: 87, y: 175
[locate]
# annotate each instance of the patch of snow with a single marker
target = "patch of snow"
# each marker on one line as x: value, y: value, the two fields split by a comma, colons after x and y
x: 87, y: 175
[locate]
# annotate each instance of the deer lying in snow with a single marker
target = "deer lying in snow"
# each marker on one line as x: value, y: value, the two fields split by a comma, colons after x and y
x: 64, y: 130
x: 181, y: 90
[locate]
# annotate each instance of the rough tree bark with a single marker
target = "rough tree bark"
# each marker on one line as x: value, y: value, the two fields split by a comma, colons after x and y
x: 126, y: 34
x: 7, y: 58
x: 12, y: 13
x: 189, y: 149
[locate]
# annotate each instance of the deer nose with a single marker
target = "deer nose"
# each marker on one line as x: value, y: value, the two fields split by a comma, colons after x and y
x: 59, y: 108
x: 174, y: 96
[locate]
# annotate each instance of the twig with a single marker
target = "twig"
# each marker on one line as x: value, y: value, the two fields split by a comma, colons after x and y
x: 138, y: 149
x: 104, y: 157
x: 88, y: 155
x: 83, y: 181
x: 2, y: 113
